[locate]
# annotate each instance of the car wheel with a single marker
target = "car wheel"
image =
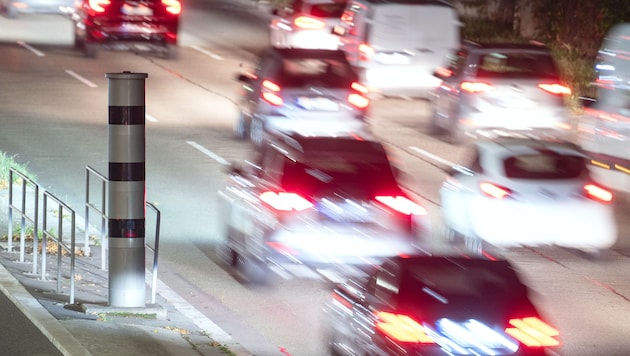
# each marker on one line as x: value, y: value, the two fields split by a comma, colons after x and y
x: 11, y: 12
x: 90, y: 49
x: 256, y: 132
x: 171, y: 51
x: 434, y: 128
x: 225, y: 254
x: 474, y: 244
x: 456, y: 136
x: 240, y: 127
x: 255, y: 272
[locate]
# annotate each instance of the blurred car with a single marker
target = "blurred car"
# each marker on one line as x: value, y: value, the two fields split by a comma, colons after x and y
x: 306, y: 24
x: 125, y: 24
x: 604, y: 128
x: 524, y: 192
x: 13, y: 8
x: 490, y: 88
x: 396, y: 45
x: 318, y: 202
x: 436, y: 305
x: 307, y: 90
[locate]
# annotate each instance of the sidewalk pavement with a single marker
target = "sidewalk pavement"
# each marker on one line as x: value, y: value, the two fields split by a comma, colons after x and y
x: 89, y: 326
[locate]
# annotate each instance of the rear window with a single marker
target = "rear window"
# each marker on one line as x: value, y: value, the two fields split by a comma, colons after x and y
x: 516, y: 65
x: 334, y: 10
x: 444, y: 282
x: 303, y: 71
x: 360, y: 176
x: 544, y: 166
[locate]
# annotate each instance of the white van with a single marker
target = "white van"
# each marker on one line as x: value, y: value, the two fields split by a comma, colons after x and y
x: 604, y: 129
x: 396, y: 45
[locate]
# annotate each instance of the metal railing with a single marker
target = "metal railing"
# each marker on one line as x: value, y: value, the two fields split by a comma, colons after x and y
x: 25, y: 215
x: 61, y: 246
x: 103, y: 216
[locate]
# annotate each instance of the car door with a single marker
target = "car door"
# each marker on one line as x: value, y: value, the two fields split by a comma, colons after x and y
x: 447, y: 94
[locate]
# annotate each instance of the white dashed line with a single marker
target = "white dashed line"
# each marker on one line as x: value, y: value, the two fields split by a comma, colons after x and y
x: 208, y: 53
x: 150, y: 118
x: 37, y: 53
x: 81, y: 79
x: 208, y: 153
x: 432, y: 156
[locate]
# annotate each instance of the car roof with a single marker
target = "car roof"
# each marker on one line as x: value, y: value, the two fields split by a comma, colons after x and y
x: 511, y: 145
x: 303, y: 144
x: 493, y: 46
x: 410, y: 2
x: 447, y: 260
x: 307, y: 53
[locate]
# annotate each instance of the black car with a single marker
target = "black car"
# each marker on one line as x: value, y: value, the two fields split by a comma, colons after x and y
x: 313, y: 91
x: 436, y: 305
x: 153, y: 24
x: 318, y: 202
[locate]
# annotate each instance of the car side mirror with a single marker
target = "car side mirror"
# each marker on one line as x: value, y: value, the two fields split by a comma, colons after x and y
x: 586, y: 101
x: 459, y: 169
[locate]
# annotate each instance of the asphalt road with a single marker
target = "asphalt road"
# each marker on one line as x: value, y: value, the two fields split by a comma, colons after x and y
x: 54, y: 119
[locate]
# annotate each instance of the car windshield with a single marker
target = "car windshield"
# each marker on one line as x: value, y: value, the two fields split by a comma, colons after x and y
x: 516, y: 65
x: 305, y: 71
x: 330, y: 10
x: 430, y: 284
x: 363, y: 177
x: 544, y: 165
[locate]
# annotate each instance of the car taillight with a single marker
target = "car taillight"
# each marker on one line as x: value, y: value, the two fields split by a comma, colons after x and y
x: 494, y: 191
x: 358, y: 99
x: 595, y: 192
x: 270, y: 93
x: 285, y: 201
x: 555, y: 88
x: 476, y: 87
x: 365, y: 52
x: 401, y: 328
x: 402, y: 204
x: 98, y: 5
x: 308, y: 23
x: 173, y: 6
x: 533, y: 332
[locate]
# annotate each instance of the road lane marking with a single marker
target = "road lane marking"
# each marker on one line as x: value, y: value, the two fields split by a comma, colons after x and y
x: 150, y: 118
x: 208, y: 53
x: 81, y: 79
x: 30, y: 48
x: 432, y: 156
x: 208, y: 153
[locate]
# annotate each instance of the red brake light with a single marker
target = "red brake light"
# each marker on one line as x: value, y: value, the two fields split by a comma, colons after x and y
x: 365, y: 52
x: 402, y: 204
x: 476, y: 87
x: 598, y: 193
x: 494, y: 191
x: 308, y: 23
x: 558, y: 89
x: 270, y: 90
x: 173, y: 6
x: 358, y: 87
x: 401, y: 328
x: 98, y: 5
x: 285, y: 201
x: 533, y: 332
x: 444, y: 72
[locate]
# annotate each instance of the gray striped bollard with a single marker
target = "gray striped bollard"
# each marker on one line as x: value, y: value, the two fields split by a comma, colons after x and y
x: 126, y: 189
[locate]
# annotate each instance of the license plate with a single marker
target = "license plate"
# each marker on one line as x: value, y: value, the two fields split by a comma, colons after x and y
x: 393, y: 58
x: 140, y: 10
x: 514, y: 102
x: 317, y: 103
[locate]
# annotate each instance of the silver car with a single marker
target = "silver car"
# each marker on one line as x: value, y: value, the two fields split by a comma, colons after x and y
x: 13, y: 8
x: 306, y: 24
x: 489, y: 89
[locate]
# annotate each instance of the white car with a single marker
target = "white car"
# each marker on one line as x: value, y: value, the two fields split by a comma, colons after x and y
x: 306, y: 24
x: 525, y: 192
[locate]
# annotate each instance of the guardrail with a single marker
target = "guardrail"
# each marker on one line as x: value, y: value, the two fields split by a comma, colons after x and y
x: 29, y: 214
x: 61, y: 246
x: 103, y: 216
x: 23, y: 211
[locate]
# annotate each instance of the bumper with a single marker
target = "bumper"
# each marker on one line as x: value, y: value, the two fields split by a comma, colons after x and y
x: 583, y: 225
